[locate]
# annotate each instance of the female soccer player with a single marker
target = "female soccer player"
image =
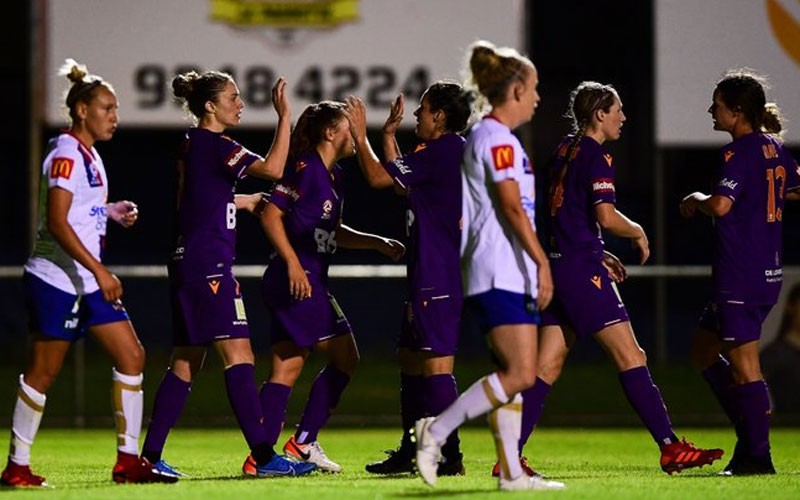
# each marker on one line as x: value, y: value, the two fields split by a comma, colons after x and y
x: 69, y: 291
x: 303, y: 222
x: 430, y: 179
x: 505, y: 271
x: 746, y: 204
x: 582, y: 200
x: 206, y: 299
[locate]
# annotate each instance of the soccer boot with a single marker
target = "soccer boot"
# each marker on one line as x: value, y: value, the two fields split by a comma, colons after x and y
x: 310, y: 453
x: 523, y: 462
x: 428, y: 450
x: 526, y: 482
x: 278, y: 465
x: 163, y: 467
x: 675, y: 457
x: 451, y: 466
x: 751, y: 466
x: 399, y: 461
x: 133, y: 469
x: 21, y: 476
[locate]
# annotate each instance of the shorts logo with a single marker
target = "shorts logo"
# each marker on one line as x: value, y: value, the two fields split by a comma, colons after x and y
x: 596, y: 281
x: 728, y: 155
x: 214, y: 285
x: 71, y: 324
x: 61, y: 167
x: 503, y: 157
x: 608, y: 158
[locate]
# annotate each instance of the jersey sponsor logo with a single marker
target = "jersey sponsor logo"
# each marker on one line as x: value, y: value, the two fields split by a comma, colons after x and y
x: 728, y: 155
x: 608, y: 158
x: 503, y: 156
x: 100, y: 215
x: 61, y: 167
x: 287, y: 191
x: 214, y: 285
x: 603, y: 186
x: 728, y: 183
x: 327, y: 208
x: 236, y: 156
x: 596, y: 281
x: 402, y: 167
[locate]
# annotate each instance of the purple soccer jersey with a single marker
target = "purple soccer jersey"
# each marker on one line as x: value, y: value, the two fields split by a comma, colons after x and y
x: 755, y: 171
x: 312, y: 199
x: 205, y: 296
x: 431, y: 174
x: 574, y: 190
x: 210, y: 166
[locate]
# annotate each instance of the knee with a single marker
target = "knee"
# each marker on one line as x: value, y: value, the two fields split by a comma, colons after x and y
x: 41, y: 379
x: 348, y: 363
x: 631, y: 359
x: 550, y: 369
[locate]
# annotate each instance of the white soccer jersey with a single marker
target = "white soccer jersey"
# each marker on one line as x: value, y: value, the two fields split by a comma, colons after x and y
x: 72, y: 166
x: 491, y: 256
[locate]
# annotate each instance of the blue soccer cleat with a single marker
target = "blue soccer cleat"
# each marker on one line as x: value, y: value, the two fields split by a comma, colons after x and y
x: 277, y: 466
x: 164, y: 468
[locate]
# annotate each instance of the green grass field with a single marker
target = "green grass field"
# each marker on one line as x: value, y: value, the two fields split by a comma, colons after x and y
x: 594, y: 463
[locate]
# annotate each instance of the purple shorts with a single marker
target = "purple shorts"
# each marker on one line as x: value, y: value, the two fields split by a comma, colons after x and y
x: 309, y: 321
x: 206, y: 309
x: 739, y: 323
x: 60, y: 315
x: 431, y: 323
x: 586, y: 298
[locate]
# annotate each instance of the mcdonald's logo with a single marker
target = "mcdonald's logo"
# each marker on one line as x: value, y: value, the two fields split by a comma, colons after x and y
x: 61, y: 167
x: 503, y: 157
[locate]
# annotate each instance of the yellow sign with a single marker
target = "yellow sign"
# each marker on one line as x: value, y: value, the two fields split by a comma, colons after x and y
x: 785, y: 28
x: 284, y: 14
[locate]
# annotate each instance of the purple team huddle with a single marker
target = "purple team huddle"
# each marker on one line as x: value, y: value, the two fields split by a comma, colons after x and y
x: 534, y: 272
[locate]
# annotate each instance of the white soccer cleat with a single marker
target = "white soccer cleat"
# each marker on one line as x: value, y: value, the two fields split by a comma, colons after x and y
x: 311, y: 453
x: 526, y: 482
x: 429, y: 452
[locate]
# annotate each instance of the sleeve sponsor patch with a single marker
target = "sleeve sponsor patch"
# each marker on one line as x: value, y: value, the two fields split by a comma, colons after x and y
x: 61, y: 167
x: 287, y: 191
x: 236, y: 156
x: 503, y: 156
x: 603, y: 186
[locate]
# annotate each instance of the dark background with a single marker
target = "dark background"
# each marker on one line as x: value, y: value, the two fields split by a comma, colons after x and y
x: 569, y: 41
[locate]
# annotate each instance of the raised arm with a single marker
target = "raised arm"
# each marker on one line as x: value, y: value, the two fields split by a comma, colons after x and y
x: 271, y: 167
x: 371, y: 167
x: 511, y: 209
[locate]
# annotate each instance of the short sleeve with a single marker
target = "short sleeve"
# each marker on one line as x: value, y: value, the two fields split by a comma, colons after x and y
x: 236, y: 157
x: 602, y: 177
x: 503, y: 157
x: 731, y: 177
x: 61, y: 168
x: 296, y: 181
x: 412, y: 168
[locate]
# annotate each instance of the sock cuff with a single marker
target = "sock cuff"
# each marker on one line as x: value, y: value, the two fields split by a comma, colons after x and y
x: 35, y: 396
x: 130, y: 380
x: 494, y: 390
x: 634, y: 374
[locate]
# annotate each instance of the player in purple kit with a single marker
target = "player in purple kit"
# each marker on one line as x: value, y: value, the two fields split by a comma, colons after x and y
x: 582, y: 198
x: 303, y: 222
x: 206, y: 299
x: 430, y: 180
x: 755, y: 176
x: 69, y: 292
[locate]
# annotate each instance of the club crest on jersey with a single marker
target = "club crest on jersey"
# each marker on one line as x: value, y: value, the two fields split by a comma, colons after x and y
x: 327, y: 208
x: 608, y: 158
x: 503, y: 156
x: 728, y: 155
x: 596, y: 281
x: 93, y: 173
x: 61, y: 167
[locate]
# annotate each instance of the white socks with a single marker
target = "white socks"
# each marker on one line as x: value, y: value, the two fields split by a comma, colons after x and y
x: 506, y: 424
x: 483, y: 396
x: 25, y: 422
x: 128, y: 402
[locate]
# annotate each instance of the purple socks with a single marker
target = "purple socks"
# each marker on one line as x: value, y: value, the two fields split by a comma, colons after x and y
x: 323, y: 399
x: 646, y: 400
x: 167, y: 407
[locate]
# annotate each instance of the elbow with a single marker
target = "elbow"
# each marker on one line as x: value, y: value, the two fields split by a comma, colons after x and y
x: 717, y: 208
x: 605, y: 220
